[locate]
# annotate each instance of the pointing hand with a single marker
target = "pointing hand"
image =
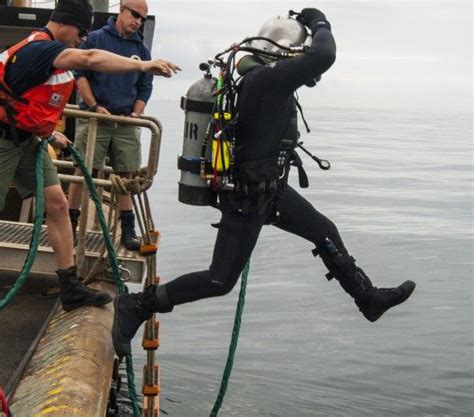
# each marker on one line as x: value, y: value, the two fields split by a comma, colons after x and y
x: 161, y: 67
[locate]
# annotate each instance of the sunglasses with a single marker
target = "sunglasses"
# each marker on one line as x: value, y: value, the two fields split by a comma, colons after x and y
x: 135, y: 14
x: 82, y: 33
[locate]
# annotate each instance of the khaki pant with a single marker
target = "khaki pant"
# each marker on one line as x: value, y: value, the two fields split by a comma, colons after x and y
x: 18, y: 166
x: 121, y: 143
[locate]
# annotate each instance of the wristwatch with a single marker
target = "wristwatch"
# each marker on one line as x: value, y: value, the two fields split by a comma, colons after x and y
x: 93, y: 108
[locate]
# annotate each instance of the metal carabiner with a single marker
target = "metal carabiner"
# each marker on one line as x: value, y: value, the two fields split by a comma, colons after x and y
x: 125, y: 274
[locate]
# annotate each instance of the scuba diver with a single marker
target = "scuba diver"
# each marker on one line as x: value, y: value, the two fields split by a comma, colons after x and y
x: 284, y: 57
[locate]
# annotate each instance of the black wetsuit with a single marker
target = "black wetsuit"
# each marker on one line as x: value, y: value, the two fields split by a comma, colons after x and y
x: 266, y: 106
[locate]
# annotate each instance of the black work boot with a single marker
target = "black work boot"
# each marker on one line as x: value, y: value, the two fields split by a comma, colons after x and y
x: 379, y: 300
x: 131, y: 310
x: 129, y: 238
x: 74, y: 294
x: 74, y: 215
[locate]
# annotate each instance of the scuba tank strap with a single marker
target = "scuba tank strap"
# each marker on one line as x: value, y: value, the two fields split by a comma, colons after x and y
x: 193, y: 165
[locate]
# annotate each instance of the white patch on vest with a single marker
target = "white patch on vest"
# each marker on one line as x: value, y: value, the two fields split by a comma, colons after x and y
x: 62, y: 78
x: 56, y: 99
x: 136, y: 57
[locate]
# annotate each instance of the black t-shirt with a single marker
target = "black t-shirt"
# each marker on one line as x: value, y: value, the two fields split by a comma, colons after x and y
x: 33, y: 65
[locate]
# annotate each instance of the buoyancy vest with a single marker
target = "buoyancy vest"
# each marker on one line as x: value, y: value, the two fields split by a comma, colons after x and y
x: 38, y: 109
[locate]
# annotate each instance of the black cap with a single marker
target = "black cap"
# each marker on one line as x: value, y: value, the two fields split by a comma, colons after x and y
x: 77, y: 13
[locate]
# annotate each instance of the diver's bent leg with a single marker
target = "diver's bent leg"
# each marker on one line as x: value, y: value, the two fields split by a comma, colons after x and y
x: 131, y: 310
x: 298, y: 216
x: 235, y: 241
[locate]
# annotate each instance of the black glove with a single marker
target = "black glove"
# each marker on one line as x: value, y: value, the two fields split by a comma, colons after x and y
x: 314, y: 19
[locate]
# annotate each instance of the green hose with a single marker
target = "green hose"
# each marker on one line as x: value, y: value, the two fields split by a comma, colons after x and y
x: 132, y: 391
x: 38, y: 221
x: 233, y: 343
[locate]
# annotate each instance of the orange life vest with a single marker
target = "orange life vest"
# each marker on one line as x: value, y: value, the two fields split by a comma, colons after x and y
x: 38, y: 109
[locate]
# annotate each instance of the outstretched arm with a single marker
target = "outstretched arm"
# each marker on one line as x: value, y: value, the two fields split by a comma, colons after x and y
x: 104, y: 61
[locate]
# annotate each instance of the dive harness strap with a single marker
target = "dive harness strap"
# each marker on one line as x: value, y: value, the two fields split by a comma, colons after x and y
x: 257, y: 182
x: 297, y: 162
x: 264, y: 180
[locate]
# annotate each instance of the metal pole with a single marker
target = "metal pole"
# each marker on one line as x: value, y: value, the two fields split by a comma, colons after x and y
x: 89, y: 160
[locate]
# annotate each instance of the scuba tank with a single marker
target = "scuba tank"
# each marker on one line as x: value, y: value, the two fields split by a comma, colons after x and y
x: 198, y: 105
x: 207, y: 162
x: 208, y: 141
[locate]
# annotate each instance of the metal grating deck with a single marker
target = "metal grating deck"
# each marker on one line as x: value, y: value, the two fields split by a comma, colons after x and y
x: 20, y: 234
x: 15, y: 241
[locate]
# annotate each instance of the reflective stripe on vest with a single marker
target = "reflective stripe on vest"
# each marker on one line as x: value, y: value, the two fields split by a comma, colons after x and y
x: 63, y: 78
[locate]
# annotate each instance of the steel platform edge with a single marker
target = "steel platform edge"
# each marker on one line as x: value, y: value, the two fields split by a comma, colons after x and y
x: 70, y: 372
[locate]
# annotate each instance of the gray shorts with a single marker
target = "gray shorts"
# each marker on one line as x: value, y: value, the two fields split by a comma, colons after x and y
x: 121, y: 143
x: 18, y: 166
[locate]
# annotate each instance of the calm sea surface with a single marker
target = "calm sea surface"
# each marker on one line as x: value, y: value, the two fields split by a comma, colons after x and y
x: 400, y: 191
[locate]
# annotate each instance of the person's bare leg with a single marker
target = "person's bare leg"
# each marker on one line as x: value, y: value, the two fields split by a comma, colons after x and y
x: 74, y: 201
x: 75, y: 192
x: 59, y: 226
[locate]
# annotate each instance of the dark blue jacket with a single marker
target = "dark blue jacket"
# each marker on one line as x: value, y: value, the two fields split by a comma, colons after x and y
x: 118, y: 92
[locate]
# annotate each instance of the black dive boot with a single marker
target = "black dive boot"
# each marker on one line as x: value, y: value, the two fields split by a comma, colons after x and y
x: 131, y: 310
x: 379, y: 300
x: 129, y: 238
x: 372, y: 301
x: 74, y: 294
x: 74, y: 215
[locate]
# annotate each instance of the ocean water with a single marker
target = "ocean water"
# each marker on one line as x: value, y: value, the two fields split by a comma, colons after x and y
x: 400, y: 192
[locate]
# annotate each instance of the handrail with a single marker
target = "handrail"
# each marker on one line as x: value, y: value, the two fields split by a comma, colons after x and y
x: 148, y: 122
x: 151, y: 169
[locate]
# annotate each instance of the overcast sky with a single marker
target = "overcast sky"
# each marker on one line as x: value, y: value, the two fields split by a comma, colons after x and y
x: 391, y: 54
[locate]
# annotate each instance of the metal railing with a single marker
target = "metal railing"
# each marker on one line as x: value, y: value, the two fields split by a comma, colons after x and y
x: 148, y: 122
x: 151, y: 123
